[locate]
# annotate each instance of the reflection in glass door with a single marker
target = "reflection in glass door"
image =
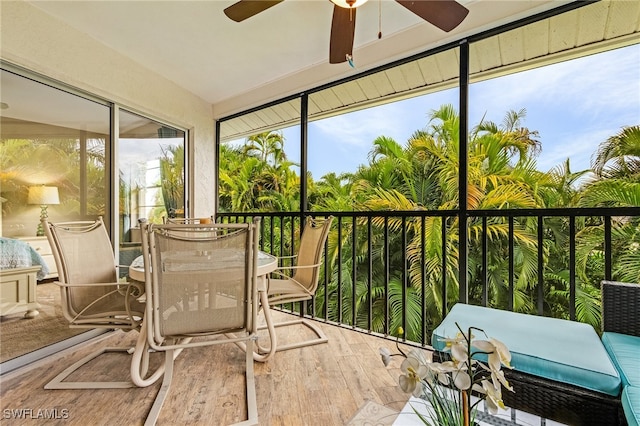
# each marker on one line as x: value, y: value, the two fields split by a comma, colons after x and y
x: 151, y: 177
x: 55, y: 138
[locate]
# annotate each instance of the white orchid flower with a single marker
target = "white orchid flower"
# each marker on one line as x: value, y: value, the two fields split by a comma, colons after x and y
x: 414, y: 372
x: 459, y: 352
x: 458, y: 346
x: 497, y: 353
x: 493, y: 398
x: 498, y: 378
x: 442, y: 370
x: 386, y: 356
x: 462, y: 380
x: 503, y: 352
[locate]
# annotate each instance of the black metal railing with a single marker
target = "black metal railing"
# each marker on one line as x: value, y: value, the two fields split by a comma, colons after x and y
x: 383, y: 270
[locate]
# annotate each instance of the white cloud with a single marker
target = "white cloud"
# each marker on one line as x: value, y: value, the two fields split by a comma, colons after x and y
x: 587, y: 85
x: 578, y: 146
x: 360, y: 128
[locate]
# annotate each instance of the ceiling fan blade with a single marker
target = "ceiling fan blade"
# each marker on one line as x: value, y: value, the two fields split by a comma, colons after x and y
x: 343, y: 29
x: 247, y: 8
x: 444, y: 14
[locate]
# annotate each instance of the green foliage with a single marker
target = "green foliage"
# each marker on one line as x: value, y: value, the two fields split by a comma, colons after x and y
x: 172, y: 178
x: 422, y: 175
x: 58, y: 162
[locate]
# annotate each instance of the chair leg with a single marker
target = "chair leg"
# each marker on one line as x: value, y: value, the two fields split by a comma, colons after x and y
x: 59, y: 383
x: 262, y: 354
x: 271, y: 326
x: 153, y: 415
x: 322, y: 338
x: 138, y: 370
x: 252, y: 402
x: 140, y: 362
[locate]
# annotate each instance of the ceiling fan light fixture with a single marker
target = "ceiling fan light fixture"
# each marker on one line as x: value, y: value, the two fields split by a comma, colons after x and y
x: 349, y: 4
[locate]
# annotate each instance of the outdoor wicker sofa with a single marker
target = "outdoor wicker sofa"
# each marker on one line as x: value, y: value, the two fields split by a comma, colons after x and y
x: 621, y: 339
x: 561, y: 369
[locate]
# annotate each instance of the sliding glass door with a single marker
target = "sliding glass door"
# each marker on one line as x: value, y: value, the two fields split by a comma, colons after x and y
x: 151, y: 177
x: 57, y: 159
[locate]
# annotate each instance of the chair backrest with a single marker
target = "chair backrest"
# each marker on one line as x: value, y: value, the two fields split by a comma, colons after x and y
x: 188, y: 220
x: 84, y: 255
x: 200, y: 279
x: 314, y: 236
x: 620, y: 307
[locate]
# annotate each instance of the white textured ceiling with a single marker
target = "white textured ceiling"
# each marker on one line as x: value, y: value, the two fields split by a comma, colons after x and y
x: 283, y: 50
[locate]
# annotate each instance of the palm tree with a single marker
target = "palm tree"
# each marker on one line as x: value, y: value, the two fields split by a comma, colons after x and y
x: 616, y: 165
x: 332, y: 193
x: 560, y: 186
x: 172, y: 178
x: 267, y: 146
x: 619, y: 155
x: 424, y: 175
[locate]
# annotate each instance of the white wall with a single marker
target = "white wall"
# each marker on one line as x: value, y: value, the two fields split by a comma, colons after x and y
x: 40, y: 43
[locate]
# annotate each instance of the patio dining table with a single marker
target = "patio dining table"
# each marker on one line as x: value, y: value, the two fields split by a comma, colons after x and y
x: 266, y: 264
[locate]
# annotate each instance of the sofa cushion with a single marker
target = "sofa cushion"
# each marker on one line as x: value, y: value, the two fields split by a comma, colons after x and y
x: 560, y: 350
x: 631, y: 405
x: 623, y: 350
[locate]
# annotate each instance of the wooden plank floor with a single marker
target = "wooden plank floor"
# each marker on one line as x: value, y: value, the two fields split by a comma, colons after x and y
x: 316, y: 385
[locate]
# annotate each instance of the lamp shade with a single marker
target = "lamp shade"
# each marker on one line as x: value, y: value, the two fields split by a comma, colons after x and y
x: 348, y: 4
x: 43, y: 195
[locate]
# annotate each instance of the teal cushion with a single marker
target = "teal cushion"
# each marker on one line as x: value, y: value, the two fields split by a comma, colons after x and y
x: 623, y: 350
x: 555, y: 349
x: 631, y: 404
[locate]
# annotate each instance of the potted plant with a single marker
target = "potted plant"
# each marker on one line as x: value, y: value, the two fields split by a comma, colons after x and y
x: 446, y: 387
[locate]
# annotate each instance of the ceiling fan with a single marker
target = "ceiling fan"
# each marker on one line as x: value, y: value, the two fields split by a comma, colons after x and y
x: 444, y: 14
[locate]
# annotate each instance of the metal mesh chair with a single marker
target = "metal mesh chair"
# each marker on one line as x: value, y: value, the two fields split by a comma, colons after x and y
x: 200, y: 281
x: 92, y: 296
x: 300, y: 286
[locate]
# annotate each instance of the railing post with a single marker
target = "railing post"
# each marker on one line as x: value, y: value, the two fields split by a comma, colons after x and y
x: 386, y: 275
x: 485, y: 263
x: 354, y: 272
x: 572, y: 268
x: 540, y: 301
x: 511, y: 264
x: 443, y: 237
x: 369, y: 275
x: 463, y: 296
x: 608, y: 255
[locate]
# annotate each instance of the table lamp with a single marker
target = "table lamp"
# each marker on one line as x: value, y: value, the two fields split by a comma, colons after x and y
x: 43, y: 195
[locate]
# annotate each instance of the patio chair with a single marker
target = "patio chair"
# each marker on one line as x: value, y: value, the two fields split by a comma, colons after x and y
x: 299, y: 287
x: 92, y: 296
x: 200, y: 280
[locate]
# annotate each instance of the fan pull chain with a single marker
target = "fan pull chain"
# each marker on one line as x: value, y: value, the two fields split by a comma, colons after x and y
x: 379, y: 19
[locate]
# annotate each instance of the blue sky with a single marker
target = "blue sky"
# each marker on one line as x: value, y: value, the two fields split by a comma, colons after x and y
x: 574, y: 106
